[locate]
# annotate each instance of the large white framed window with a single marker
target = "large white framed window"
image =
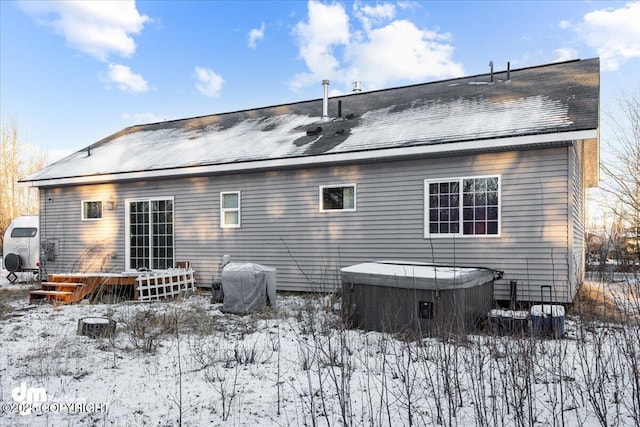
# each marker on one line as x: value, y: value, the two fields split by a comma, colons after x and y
x: 230, y: 209
x: 469, y: 206
x: 337, y: 197
x: 91, y: 210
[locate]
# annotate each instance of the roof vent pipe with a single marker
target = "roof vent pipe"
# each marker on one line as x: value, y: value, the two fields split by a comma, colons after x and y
x: 491, y: 66
x: 357, y: 87
x: 325, y: 100
x: 508, y: 70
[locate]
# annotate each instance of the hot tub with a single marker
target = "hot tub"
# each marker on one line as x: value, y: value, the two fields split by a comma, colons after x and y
x: 415, y: 298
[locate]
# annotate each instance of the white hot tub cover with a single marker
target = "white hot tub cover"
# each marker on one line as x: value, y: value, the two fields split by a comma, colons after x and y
x: 413, y: 275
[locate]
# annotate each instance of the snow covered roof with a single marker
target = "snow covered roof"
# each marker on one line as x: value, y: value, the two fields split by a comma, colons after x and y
x: 544, y: 104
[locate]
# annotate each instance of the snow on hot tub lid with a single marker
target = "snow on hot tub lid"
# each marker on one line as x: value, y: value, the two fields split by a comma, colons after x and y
x: 410, y: 269
x: 416, y: 275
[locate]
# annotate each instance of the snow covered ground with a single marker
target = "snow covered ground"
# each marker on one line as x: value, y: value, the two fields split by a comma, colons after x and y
x: 185, y: 362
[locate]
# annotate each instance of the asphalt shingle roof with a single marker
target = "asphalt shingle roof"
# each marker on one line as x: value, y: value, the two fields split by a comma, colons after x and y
x: 554, y: 98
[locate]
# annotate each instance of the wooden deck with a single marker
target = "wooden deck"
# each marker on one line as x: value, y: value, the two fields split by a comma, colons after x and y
x: 97, y: 287
x: 114, y: 287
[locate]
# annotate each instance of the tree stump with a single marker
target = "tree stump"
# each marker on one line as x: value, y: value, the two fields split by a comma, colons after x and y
x: 97, y: 327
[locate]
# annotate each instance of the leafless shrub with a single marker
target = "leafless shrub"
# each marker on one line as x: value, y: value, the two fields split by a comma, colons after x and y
x: 225, y: 382
x: 406, y: 357
x: 336, y: 360
x: 248, y: 353
x: 145, y: 328
x: 554, y: 369
x: 475, y: 362
x: 514, y: 362
x: 595, y: 365
x: 206, y: 351
x: 629, y: 351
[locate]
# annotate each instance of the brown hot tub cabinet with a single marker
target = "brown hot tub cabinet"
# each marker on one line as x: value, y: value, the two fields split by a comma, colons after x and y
x: 407, y: 297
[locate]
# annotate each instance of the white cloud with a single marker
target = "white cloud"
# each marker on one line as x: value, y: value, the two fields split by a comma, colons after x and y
x: 613, y: 33
x: 127, y: 80
x: 97, y: 28
x: 564, y: 54
x: 383, y: 50
x: 255, y: 35
x: 328, y: 26
x: 210, y: 83
x: 400, y: 50
x: 564, y: 24
x: 374, y: 15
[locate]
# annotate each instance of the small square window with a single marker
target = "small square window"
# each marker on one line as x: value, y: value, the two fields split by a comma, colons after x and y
x: 91, y: 210
x: 230, y: 209
x: 339, y: 198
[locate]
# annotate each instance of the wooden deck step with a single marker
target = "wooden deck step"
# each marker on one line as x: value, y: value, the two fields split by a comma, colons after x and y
x: 60, y: 286
x: 62, y: 283
x: 52, y: 296
x: 43, y: 292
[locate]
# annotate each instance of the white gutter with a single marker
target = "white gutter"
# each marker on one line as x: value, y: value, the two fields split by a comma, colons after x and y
x: 387, y: 153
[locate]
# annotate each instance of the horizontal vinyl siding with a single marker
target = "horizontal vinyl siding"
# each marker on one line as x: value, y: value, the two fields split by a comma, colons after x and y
x: 283, y: 227
x: 82, y: 245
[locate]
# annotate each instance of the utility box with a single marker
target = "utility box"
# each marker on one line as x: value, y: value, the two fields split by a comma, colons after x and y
x: 415, y: 298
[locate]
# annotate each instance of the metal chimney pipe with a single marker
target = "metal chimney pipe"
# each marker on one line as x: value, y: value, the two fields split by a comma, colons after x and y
x: 325, y: 100
x: 508, y: 70
x: 491, y: 66
x: 357, y: 87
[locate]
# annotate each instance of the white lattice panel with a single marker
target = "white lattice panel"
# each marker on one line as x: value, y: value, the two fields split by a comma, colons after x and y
x: 158, y: 284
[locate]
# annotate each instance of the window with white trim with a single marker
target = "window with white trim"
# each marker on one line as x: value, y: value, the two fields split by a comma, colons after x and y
x: 338, y: 198
x: 230, y: 209
x: 462, y: 206
x: 91, y: 210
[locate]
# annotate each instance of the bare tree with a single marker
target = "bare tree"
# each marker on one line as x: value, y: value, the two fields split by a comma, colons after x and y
x: 17, y: 160
x: 622, y: 176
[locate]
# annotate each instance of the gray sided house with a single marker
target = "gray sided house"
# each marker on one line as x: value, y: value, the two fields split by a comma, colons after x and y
x: 488, y: 170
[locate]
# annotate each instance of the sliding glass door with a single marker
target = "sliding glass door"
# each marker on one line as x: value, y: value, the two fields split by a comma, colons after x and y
x: 149, y: 225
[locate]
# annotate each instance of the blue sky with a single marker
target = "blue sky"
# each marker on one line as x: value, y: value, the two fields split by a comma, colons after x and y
x: 72, y: 73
